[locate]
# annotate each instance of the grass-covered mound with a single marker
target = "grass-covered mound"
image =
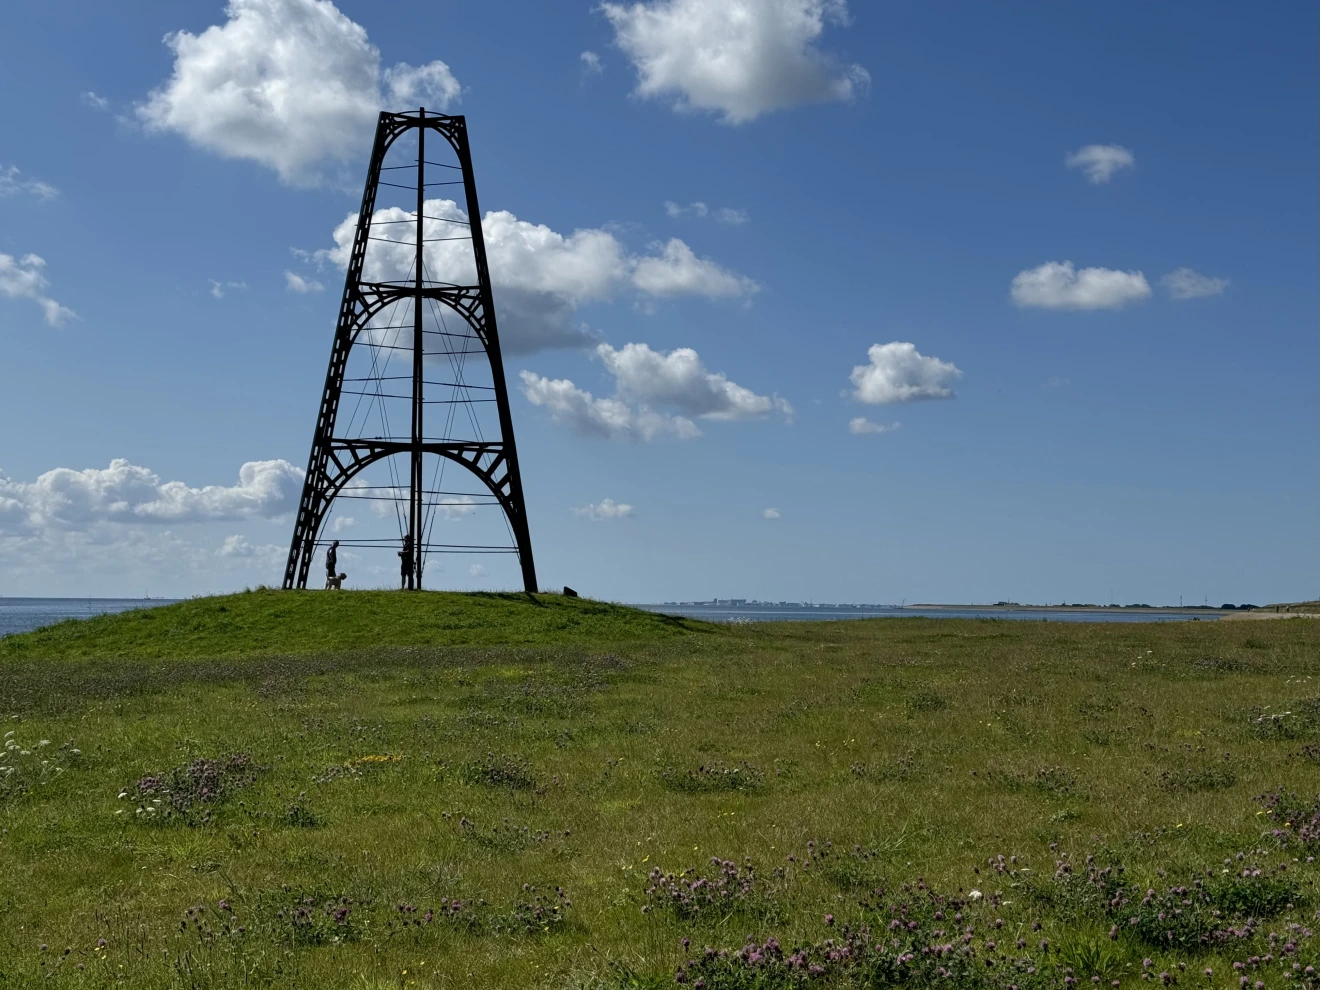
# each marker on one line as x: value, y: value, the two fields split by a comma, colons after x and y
x: 304, y: 622
x: 955, y: 803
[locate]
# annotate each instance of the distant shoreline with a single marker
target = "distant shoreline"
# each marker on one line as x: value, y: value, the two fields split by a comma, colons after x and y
x: 1180, y: 609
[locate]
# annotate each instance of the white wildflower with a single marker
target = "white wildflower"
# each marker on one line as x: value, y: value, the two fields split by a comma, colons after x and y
x: 973, y: 895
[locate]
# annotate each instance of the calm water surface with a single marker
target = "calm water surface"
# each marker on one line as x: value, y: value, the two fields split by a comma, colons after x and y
x: 773, y: 613
x: 23, y: 614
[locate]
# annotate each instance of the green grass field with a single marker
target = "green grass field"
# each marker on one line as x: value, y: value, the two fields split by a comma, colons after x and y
x: 387, y: 790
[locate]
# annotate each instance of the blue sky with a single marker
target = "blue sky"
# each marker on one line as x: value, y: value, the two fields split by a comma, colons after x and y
x: 1103, y: 373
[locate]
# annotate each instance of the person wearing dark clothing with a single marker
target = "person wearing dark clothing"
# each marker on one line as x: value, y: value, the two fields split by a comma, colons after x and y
x: 332, y: 559
x: 406, y: 563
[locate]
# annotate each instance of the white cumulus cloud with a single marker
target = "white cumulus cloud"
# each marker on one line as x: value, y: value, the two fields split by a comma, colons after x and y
x: 411, y: 86
x: 24, y: 278
x: 591, y: 64
x: 769, y: 513
x: 680, y: 381
x: 606, y: 508
x: 65, y: 498
x: 1099, y: 162
x: 241, y: 548
x: 290, y: 84
x: 14, y: 183
x: 540, y: 276
x: 898, y: 372
x: 657, y: 395
x: 677, y: 271
x: 297, y: 283
x: 1058, y: 285
x: 740, y: 60
x: 860, y: 425
x: 585, y: 414
x: 1184, y: 283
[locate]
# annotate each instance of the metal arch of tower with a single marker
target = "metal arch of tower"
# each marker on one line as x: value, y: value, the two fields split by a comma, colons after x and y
x: 335, y: 460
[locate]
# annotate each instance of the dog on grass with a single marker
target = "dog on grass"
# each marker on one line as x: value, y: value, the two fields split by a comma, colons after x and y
x: 335, y: 581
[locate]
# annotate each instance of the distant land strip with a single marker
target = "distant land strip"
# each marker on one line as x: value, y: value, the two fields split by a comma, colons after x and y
x: 1198, y: 609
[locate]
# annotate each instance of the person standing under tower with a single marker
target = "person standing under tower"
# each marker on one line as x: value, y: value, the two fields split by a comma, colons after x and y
x: 406, y: 563
x: 332, y: 560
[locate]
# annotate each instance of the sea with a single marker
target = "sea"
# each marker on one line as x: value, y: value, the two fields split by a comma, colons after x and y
x: 24, y: 614
x: 822, y: 613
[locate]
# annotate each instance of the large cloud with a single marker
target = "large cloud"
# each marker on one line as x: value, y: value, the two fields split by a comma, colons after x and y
x: 898, y: 372
x: 540, y: 276
x: 1058, y: 285
x: 69, y: 499
x: 291, y: 84
x: 740, y: 60
x: 657, y: 395
x: 24, y: 278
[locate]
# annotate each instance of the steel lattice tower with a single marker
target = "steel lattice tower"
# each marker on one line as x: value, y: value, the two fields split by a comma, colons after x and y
x: 369, y: 313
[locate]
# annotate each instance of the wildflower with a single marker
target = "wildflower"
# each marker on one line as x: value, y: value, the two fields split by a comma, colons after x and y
x: 973, y: 895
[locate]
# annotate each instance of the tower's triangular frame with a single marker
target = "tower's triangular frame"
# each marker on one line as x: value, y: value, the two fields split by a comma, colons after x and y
x: 335, y: 460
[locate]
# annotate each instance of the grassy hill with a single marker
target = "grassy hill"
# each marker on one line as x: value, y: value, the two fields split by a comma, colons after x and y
x: 301, y: 622
x: 427, y: 791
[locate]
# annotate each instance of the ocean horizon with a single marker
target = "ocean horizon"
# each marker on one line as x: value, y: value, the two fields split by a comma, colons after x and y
x: 19, y: 614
